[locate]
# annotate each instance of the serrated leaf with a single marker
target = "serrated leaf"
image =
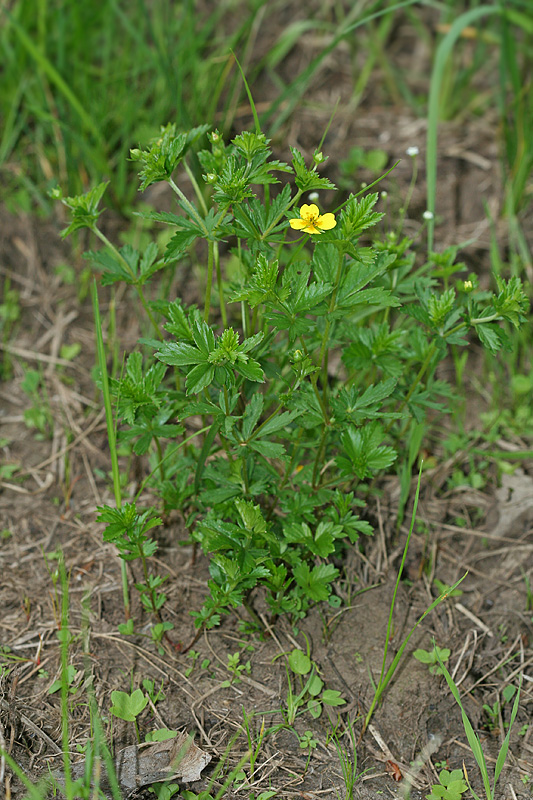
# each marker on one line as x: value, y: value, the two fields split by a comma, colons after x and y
x: 489, y: 336
x: 277, y: 423
x: 315, y: 582
x: 251, y: 370
x: 267, y: 449
x: 199, y: 378
x: 179, y: 354
x: 179, y: 243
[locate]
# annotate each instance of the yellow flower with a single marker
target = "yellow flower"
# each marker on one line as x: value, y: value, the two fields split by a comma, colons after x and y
x: 311, y: 221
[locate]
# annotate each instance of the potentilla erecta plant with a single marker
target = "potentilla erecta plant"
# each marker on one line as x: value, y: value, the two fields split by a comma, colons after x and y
x: 306, y: 371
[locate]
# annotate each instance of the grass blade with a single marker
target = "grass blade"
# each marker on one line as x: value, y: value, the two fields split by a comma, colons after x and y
x: 48, y: 68
x: 502, y: 755
x: 473, y: 739
x: 111, y: 437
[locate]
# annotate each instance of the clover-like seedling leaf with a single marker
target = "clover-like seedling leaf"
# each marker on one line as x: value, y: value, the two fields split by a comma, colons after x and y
x: 299, y: 662
x: 315, y: 685
x: 315, y: 708
x: 128, y: 706
x: 332, y: 698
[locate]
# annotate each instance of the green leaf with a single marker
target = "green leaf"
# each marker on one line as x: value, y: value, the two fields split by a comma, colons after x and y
x: 267, y: 449
x: 332, y: 698
x: 84, y: 208
x: 315, y: 708
x: 315, y: 685
x: 357, y: 216
x: 204, y: 337
x: 277, y: 423
x: 307, y: 179
x: 365, y: 454
x: 199, y: 378
x: 251, y: 415
x: 489, y: 336
x: 315, y: 583
x: 299, y: 662
x: 128, y: 706
x: 126, y: 628
x: 180, y: 354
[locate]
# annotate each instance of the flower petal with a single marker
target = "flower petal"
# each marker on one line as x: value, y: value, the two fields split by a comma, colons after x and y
x: 326, y: 222
x: 311, y: 229
x: 298, y: 224
x: 308, y: 211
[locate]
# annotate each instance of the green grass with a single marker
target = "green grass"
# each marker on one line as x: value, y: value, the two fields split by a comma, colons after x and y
x: 84, y: 82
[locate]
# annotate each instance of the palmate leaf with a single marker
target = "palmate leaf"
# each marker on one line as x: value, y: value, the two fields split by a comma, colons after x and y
x: 364, y: 453
x: 350, y: 404
x: 84, y: 207
x: 315, y: 583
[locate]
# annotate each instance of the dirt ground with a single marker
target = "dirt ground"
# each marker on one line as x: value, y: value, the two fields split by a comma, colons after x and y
x: 487, y: 532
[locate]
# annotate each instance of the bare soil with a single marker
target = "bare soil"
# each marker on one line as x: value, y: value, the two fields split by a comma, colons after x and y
x: 488, y: 628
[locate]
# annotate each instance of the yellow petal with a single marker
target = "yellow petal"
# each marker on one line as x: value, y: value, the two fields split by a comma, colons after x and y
x: 326, y: 222
x: 307, y: 211
x: 297, y: 224
x: 311, y: 229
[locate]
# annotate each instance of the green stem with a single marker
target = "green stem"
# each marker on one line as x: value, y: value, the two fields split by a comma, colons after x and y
x: 318, y: 456
x: 188, y: 206
x: 103, y: 238
x: 210, y: 260
x: 219, y: 284
x: 147, y: 584
x: 327, y: 328
x: 64, y: 675
x: 111, y: 434
x: 197, y: 190
x: 481, y: 320
x: 383, y: 683
x: 160, y: 456
x: 403, y: 209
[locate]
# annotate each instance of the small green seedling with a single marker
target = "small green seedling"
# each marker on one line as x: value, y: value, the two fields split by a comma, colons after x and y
x: 254, y: 746
x: 430, y: 658
x: 236, y: 669
x: 493, y: 712
x: 70, y: 677
x: 451, y: 786
x: 308, y: 741
x: 154, y: 694
x: 129, y: 706
x: 312, y: 694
